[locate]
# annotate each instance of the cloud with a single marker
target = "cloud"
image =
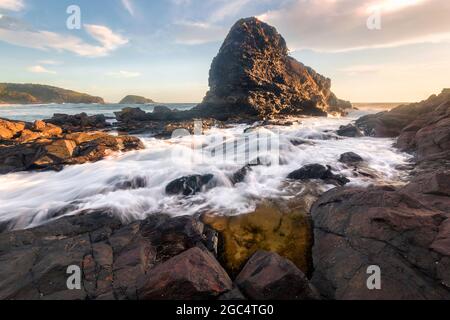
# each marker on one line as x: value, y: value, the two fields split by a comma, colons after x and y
x: 229, y: 9
x: 105, y: 36
x: 16, y: 32
x: 40, y: 69
x: 12, y: 5
x: 128, y: 5
x: 124, y: 74
x: 50, y: 62
x: 193, y: 33
x: 341, y: 25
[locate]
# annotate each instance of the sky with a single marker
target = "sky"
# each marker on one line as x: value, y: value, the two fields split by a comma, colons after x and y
x: 373, y: 50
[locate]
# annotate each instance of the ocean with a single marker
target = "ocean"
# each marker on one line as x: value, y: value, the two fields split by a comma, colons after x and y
x: 34, y: 198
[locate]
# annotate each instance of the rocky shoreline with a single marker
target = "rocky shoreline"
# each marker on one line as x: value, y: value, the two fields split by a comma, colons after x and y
x: 315, y: 246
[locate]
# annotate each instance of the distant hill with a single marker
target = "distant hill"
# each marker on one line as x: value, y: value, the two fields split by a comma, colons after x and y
x: 135, y: 100
x: 36, y: 93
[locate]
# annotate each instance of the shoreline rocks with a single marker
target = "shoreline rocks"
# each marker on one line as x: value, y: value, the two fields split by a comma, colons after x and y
x: 44, y: 146
x: 317, y: 171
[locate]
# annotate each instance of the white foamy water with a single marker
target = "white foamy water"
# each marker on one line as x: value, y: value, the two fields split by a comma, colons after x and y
x: 33, y: 198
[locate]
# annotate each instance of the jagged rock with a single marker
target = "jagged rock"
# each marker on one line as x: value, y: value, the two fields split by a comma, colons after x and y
x: 404, y: 232
x: 9, y: 129
x: 45, y: 146
x: 253, y: 76
x: 267, y: 276
x: 406, y: 120
x: 131, y: 114
x: 351, y: 158
x: 317, y: 171
x: 349, y: 131
x: 192, y: 275
x: 114, y: 257
x: 188, y: 186
x: 78, y: 122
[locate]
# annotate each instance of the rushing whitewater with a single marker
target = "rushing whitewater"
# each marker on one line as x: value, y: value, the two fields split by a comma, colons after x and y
x: 132, y: 185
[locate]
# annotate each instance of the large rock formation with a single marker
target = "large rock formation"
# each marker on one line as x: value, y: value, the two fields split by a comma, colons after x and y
x: 36, y: 93
x: 254, y: 76
x: 404, y: 231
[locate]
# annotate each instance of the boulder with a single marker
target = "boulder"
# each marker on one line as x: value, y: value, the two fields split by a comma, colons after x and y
x: 402, y: 232
x: 189, y: 185
x: 131, y: 114
x: 254, y: 77
x: 351, y: 158
x: 192, y: 275
x: 114, y: 257
x: 267, y: 276
x: 350, y: 131
x: 317, y: 171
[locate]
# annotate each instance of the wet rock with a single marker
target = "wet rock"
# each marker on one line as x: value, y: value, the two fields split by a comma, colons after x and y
x: 349, y: 131
x: 45, y: 146
x: 272, y: 227
x: 267, y: 276
x: 192, y: 275
x: 189, y: 186
x: 317, y: 171
x: 234, y: 295
x: 162, y: 109
x: 351, y: 158
x: 253, y: 76
x: 404, y: 232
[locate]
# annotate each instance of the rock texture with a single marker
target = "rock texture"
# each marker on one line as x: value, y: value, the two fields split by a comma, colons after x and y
x: 26, y: 146
x: 131, y: 99
x: 404, y: 232
x: 253, y: 76
x: 79, y: 122
x: 317, y: 171
x: 115, y: 258
x: 267, y: 276
x: 35, y: 93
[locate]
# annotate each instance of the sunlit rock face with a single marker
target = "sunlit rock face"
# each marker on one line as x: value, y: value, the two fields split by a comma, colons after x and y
x: 254, y: 75
x: 281, y: 229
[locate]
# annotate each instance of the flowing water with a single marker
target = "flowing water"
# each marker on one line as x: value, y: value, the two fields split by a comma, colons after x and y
x: 132, y: 185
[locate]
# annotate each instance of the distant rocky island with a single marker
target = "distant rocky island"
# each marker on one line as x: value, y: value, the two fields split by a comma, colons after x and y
x: 14, y: 93
x: 131, y: 99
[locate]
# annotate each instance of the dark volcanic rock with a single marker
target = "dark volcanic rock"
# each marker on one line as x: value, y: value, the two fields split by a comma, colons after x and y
x: 115, y: 258
x: 404, y: 232
x: 253, y: 76
x: 349, y: 131
x: 192, y: 275
x: 350, y: 158
x: 317, y: 171
x: 188, y: 186
x: 78, y: 122
x: 267, y: 276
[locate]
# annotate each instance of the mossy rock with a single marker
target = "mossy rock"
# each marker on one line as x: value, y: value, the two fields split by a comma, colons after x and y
x: 271, y: 227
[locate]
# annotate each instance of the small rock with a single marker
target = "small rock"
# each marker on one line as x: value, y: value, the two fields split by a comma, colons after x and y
x: 349, y: 131
x: 351, y: 158
x: 317, y: 171
x: 188, y: 186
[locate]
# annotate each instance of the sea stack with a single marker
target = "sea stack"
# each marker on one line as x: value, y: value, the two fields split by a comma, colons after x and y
x: 254, y: 76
